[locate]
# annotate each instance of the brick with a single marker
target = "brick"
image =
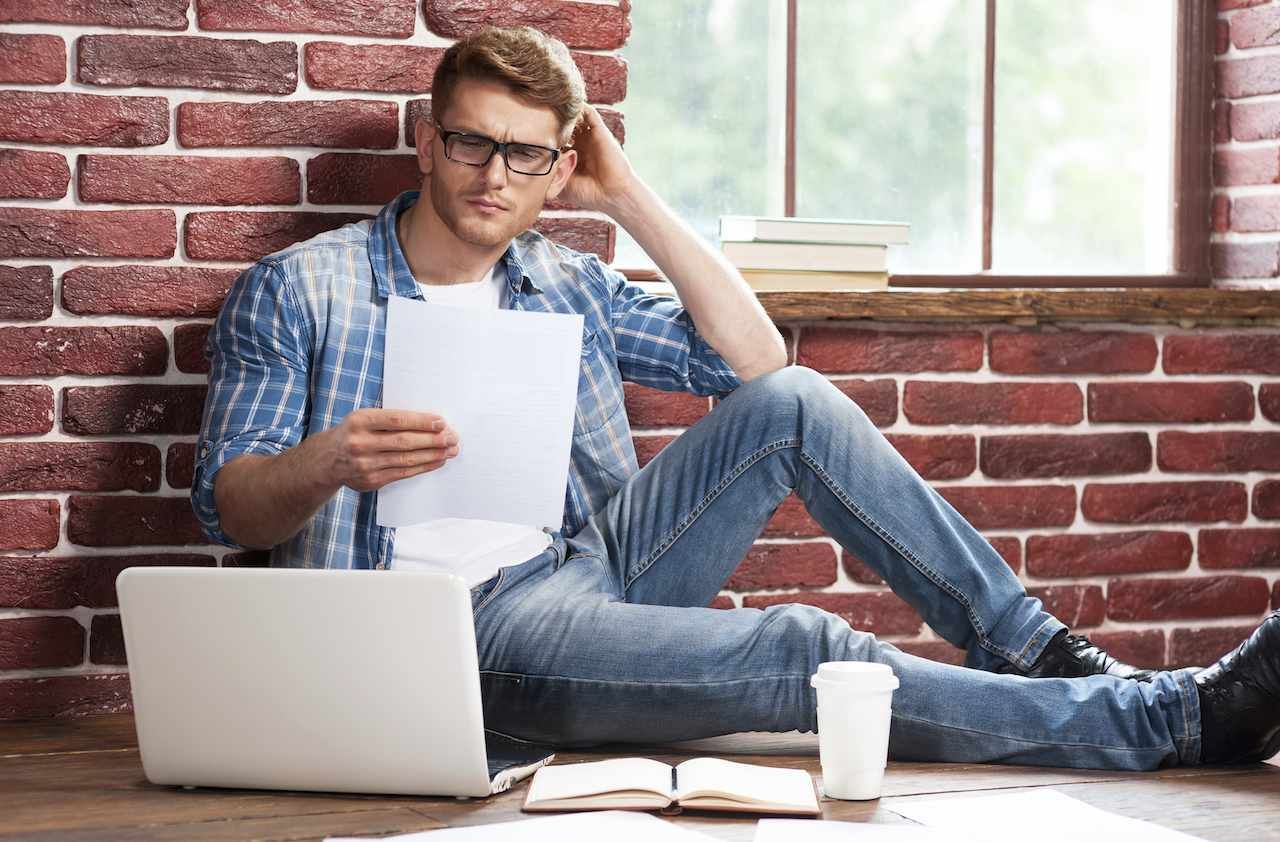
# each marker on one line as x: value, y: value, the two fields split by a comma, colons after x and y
x: 1164, y: 502
x: 837, y: 350
x: 1195, y: 598
x: 146, y: 290
x: 1248, y: 76
x: 1221, y: 121
x: 785, y: 566
x: 131, y: 521
x: 132, y: 409
x: 858, y: 570
x: 336, y: 178
x: 937, y: 457
x: 1255, y: 213
x: 1275, y: 596
x: 33, y: 232
x: 106, y: 640
x: 1240, y: 353
x: 1220, y: 214
x: 32, y: 59
x: 188, y: 348
x: 1221, y: 37
x: 25, y: 410
x: 605, y: 76
x: 1075, y: 605
x: 128, y: 349
x: 647, y: 407
x: 1231, y: 451
x: 1227, y: 5
x: 722, y: 602
x: 946, y: 402
x: 881, y: 613
x: 1269, y: 400
x: 28, y: 524
x: 877, y: 398
x: 592, y: 26
x: 1204, y: 646
x: 648, y: 447
x: 39, y: 642
x: 179, y: 464
x: 1244, y: 260
x: 392, y: 68
x: 791, y: 520
x: 26, y: 292
x: 83, y: 119
x: 62, y: 582
x: 388, y: 18
x: 1107, y: 553
x: 1256, y: 27
x: 593, y: 236
x: 33, y: 175
x: 934, y: 650
x: 1030, y: 456
x: 1246, y: 166
x: 350, y: 124
x: 1266, y: 498
x: 1013, y: 506
x: 69, y: 696
x: 245, y: 235
x: 79, y: 466
x: 180, y: 61
x: 1010, y: 549
x: 1171, y: 402
x: 1237, y: 549
x: 1140, y: 648
x: 185, y: 179
x: 152, y: 14
x: 1072, y: 352
x: 1255, y: 120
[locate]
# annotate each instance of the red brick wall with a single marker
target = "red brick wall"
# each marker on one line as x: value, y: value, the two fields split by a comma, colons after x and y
x: 1129, y: 474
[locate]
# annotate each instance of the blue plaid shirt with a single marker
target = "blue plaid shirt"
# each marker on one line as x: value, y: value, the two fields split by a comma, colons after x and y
x: 299, y: 342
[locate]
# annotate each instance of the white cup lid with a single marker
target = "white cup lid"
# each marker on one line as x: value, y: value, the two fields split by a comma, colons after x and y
x: 864, y: 675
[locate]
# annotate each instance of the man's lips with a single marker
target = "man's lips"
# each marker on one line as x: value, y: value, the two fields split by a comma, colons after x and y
x: 487, y: 205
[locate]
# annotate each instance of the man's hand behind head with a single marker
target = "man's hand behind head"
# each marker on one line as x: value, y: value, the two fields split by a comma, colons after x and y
x: 373, y: 447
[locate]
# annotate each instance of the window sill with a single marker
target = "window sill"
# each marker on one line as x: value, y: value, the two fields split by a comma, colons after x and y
x: 1184, y: 306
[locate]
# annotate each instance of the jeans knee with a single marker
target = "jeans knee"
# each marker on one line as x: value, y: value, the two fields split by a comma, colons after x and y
x: 795, y: 391
x: 814, y: 636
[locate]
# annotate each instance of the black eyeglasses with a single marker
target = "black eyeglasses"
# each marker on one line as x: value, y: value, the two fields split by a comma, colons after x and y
x: 475, y: 150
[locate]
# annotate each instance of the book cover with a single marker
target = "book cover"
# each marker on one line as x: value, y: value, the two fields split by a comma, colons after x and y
x: 810, y: 257
x: 811, y: 230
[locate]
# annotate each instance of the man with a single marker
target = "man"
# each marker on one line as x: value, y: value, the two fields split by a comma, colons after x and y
x: 604, y: 634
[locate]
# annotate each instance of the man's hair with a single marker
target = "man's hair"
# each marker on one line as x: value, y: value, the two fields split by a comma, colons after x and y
x: 537, y: 68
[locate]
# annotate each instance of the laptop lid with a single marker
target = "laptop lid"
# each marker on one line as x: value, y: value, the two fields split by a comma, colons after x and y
x: 329, y: 680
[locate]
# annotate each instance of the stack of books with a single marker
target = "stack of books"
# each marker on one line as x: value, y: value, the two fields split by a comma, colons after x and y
x: 792, y: 253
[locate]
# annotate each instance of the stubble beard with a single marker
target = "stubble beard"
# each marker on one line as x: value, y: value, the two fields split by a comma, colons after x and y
x: 475, y: 231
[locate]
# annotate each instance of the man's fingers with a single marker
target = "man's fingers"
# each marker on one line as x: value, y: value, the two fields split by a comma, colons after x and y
x: 404, y: 419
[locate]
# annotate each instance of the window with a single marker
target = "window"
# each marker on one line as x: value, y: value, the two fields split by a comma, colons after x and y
x: 1070, y: 124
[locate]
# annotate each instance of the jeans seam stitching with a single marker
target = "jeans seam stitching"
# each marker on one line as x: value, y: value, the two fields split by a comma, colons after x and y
x: 683, y: 526
x: 1054, y: 743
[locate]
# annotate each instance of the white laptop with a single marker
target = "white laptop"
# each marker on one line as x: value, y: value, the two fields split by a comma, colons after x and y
x: 324, y: 680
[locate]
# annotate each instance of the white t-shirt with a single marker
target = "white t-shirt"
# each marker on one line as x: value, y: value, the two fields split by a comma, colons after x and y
x: 474, y: 549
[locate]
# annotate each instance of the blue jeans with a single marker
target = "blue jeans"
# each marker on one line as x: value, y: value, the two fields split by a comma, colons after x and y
x: 606, y: 637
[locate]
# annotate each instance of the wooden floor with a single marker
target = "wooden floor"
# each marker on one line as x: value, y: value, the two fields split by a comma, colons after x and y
x: 82, y: 779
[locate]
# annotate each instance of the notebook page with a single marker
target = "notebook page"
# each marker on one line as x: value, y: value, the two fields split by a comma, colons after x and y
x: 571, y: 780
x: 745, y: 781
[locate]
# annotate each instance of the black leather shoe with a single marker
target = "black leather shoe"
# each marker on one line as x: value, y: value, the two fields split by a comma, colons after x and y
x: 1240, y: 700
x: 1075, y: 656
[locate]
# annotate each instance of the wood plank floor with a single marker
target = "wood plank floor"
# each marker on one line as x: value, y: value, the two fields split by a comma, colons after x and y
x: 81, y: 779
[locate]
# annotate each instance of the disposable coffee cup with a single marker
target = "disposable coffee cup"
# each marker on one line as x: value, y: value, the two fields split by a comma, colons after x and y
x: 853, y: 726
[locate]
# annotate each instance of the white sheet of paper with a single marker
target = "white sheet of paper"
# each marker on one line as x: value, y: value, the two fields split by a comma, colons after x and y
x: 507, y: 382
x: 803, y: 830
x: 1009, y: 816
x: 613, y: 825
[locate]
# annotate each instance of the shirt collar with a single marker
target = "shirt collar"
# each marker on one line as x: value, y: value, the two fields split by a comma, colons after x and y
x: 391, y: 271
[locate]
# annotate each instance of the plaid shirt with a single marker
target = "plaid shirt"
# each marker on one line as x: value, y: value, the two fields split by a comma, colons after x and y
x: 299, y: 344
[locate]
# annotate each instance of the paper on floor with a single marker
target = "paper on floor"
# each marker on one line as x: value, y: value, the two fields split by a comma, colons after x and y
x: 803, y: 830
x: 507, y: 382
x: 1020, y: 815
x: 611, y: 825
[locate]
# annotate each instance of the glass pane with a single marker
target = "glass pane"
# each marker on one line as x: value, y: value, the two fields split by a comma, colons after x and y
x: 701, y: 130
x: 889, y: 122
x: 1084, y: 126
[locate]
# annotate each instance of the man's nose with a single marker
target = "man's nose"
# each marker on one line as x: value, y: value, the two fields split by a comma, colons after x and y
x: 495, y: 173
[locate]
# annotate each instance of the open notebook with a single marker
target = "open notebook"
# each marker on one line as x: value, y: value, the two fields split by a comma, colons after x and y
x: 702, y: 783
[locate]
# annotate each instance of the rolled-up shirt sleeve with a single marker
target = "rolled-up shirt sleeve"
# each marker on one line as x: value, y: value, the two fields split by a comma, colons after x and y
x: 258, y: 399
x: 658, y: 343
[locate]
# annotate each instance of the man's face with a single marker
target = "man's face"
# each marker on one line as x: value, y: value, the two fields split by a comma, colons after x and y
x: 488, y: 205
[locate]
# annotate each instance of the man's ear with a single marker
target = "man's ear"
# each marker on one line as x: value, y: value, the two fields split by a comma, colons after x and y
x: 565, y: 166
x: 424, y: 137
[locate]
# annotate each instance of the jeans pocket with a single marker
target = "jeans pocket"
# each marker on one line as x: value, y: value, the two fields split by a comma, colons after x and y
x: 487, y: 596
